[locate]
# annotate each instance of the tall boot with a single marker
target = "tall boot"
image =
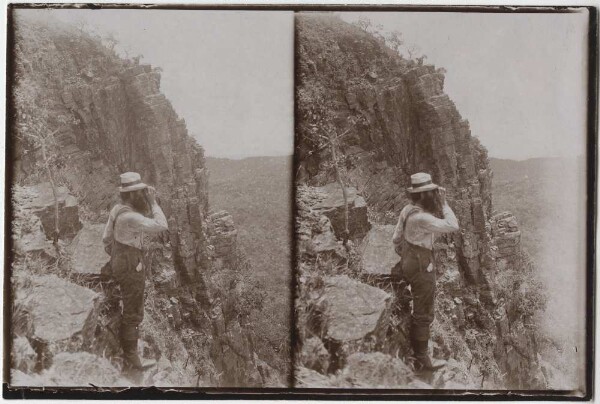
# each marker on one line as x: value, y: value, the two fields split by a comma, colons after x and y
x: 132, y: 365
x: 423, y: 362
x: 130, y: 354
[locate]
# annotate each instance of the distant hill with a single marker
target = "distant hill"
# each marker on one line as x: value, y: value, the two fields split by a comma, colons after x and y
x: 540, y: 168
x: 536, y: 190
x: 257, y: 192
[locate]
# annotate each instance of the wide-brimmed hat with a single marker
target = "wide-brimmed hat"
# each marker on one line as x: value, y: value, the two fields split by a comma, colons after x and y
x: 421, y: 182
x: 131, y: 181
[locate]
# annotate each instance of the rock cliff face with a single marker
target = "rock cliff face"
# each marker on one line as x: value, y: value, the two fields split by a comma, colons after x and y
x: 393, y: 119
x: 110, y: 117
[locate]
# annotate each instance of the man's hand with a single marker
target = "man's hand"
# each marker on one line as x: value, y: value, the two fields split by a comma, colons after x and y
x: 151, y: 195
x: 442, y: 193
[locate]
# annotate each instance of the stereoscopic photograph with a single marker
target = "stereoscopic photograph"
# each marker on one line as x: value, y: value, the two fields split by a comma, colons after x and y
x: 441, y: 188
x: 299, y: 201
x: 151, y: 198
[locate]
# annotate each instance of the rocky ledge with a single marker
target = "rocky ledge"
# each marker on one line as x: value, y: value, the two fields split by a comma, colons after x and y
x: 353, y: 317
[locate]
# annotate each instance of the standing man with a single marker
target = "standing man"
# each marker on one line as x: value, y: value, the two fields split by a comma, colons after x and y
x: 136, y: 215
x: 413, y: 240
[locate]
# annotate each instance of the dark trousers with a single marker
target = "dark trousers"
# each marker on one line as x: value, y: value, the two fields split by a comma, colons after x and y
x: 422, y: 283
x: 124, y: 260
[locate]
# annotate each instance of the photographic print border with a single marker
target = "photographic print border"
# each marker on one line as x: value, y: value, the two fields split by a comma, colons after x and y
x: 325, y: 394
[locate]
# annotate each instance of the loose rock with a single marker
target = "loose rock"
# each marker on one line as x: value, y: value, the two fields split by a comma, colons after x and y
x: 32, y: 240
x: 375, y: 369
x: 23, y: 356
x: 333, y: 207
x: 308, y: 378
x: 21, y: 379
x: 379, y: 256
x: 352, y: 313
x: 323, y: 239
x: 39, y: 200
x: 314, y: 355
x: 82, y: 369
x: 63, y: 315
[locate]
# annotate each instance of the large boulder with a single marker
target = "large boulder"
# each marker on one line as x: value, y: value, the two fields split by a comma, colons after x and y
x: 333, y: 206
x: 379, y: 256
x: 39, y: 200
x: 30, y: 238
x: 350, y: 316
x: 63, y: 315
x: 87, y: 251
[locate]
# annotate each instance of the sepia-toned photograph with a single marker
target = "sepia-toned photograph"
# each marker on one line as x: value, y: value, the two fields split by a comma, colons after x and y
x: 299, y: 202
x: 441, y: 188
x: 151, y: 198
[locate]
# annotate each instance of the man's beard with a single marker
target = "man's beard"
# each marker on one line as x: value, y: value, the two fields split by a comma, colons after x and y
x: 432, y: 203
x: 139, y: 204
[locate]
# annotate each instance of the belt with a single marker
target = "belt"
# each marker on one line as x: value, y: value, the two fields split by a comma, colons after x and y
x: 418, y: 248
x: 420, y: 253
x: 126, y: 248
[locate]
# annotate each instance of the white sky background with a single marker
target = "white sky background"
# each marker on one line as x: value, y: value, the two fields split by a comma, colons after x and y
x: 519, y: 79
x: 229, y: 74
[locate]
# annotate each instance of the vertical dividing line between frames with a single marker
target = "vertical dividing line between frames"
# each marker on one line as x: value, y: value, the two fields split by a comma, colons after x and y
x: 294, y: 252
x: 8, y: 183
x: 592, y: 195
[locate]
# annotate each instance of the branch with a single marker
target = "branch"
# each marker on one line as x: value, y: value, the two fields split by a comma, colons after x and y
x: 329, y: 139
x: 54, y: 194
x: 343, y: 186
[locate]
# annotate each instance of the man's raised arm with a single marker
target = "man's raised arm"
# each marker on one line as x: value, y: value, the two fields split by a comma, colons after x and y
x: 155, y: 224
x: 433, y: 224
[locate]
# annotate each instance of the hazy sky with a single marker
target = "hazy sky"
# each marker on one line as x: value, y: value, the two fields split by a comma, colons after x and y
x: 519, y: 79
x: 229, y: 74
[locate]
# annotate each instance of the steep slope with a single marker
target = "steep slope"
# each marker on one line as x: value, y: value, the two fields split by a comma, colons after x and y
x: 257, y: 192
x: 391, y: 118
x: 106, y: 116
